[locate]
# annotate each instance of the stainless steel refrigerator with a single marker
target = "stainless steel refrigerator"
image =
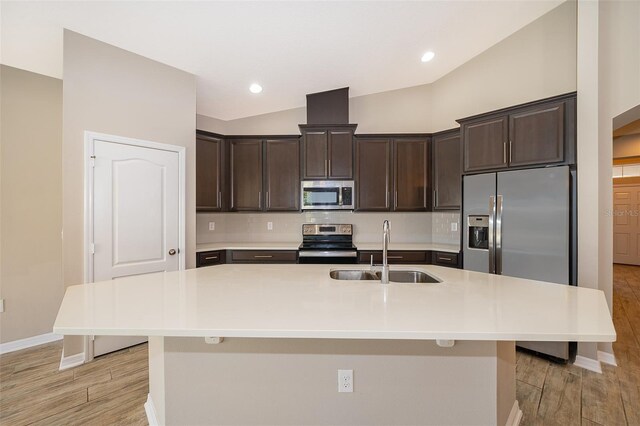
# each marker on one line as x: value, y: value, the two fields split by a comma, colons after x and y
x: 522, y: 224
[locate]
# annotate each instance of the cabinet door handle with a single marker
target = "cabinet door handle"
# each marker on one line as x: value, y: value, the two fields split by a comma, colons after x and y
x: 435, y: 198
x: 268, y: 200
x: 262, y: 256
x: 395, y: 199
x: 219, y: 199
x: 445, y: 258
x: 326, y: 168
x: 210, y: 257
x: 386, y: 199
x: 329, y: 169
x: 395, y: 257
x: 259, y: 199
x: 504, y: 152
x: 510, y: 151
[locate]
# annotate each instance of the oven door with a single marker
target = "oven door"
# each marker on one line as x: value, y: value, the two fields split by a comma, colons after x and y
x: 321, y: 198
x: 328, y: 256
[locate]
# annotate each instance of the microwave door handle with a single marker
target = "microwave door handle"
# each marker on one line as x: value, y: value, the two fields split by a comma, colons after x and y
x: 339, y: 195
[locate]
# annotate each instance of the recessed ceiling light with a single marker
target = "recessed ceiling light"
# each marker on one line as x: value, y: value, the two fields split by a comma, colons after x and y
x: 428, y: 56
x: 255, y: 88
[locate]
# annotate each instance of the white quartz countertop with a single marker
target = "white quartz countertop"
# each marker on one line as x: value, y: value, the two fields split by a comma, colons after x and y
x: 451, y: 248
x: 302, y: 301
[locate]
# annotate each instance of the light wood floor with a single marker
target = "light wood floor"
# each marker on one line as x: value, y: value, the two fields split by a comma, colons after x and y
x: 552, y: 394
x: 113, y: 388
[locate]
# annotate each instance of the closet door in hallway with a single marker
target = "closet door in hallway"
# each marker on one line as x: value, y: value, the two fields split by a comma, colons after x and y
x: 626, y: 223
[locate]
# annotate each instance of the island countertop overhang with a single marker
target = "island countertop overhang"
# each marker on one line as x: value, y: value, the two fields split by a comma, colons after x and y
x: 301, y: 301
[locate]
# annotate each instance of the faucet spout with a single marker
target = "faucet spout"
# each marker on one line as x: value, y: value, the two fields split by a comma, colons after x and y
x: 386, y: 237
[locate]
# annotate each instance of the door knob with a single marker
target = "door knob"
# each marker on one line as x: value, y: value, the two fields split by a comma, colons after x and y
x: 172, y: 252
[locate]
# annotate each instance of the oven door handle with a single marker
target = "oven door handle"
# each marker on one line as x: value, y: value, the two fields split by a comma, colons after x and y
x: 327, y: 253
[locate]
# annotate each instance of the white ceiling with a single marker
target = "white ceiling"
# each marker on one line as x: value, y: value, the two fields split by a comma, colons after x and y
x: 290, y: 48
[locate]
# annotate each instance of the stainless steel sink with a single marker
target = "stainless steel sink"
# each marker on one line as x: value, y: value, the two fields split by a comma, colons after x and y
x: 345, y: 274
x: 410, y: 277
x: 394, y: 276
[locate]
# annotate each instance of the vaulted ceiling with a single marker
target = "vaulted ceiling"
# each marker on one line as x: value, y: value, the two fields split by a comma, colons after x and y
x: 291, y: 47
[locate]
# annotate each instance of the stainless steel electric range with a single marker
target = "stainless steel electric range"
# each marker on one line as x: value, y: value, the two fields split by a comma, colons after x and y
x: 327, y: 243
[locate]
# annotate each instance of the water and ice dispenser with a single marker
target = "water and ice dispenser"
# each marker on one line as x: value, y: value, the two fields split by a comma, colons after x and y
x: 478, y: 229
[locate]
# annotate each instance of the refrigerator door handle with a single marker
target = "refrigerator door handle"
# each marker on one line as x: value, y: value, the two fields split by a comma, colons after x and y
x: 492, y: 247
x: 498, y: 239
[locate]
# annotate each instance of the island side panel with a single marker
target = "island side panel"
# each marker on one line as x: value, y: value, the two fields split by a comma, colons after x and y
x: 156, y: 401
x: 295, y: 381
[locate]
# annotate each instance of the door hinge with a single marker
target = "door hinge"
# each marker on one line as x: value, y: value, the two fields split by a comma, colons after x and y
x: 92, y: 161
x: 92, y: 248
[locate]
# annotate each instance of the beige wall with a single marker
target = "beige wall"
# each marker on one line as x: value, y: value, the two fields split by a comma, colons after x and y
x: 395, y: 382
x: 535, y: 62
x: 608, y: 85
x: 112, y: 91
x: 626, y: 146
x: 619, y: 91
x: 31, y: 200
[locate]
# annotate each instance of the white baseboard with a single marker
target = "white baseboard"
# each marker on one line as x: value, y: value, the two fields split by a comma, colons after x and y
x: 515, y: 416
x: 150, y: 409
x: 71, y: 361
x: 29, y: 342
x: 588, y: 364
x: 607, y: 358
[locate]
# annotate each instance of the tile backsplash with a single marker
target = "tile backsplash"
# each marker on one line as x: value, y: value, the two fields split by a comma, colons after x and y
x: 252, y: 227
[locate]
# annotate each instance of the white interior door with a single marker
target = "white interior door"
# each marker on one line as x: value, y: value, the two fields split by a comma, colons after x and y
x: 136, y: 218
x: 626, y: 226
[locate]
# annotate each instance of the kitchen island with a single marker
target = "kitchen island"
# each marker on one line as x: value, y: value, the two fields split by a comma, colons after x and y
x: 262, y: 344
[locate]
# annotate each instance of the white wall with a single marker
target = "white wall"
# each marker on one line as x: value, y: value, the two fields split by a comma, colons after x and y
x: 31, y: 199
x: 618, y: 92
x: 110, y: 90
x: 535, y: 62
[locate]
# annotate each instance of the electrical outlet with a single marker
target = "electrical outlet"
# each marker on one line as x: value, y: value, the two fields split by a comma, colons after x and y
x: 269, y: 226
x: 1, y: 305
x: 454, y: 226
x: 345, y: 380
x: 212, y: 226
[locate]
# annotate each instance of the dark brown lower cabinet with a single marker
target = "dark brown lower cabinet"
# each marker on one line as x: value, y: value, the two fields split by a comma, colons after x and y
x: 445, y: 259
x: 394, y: 257
x: 264, y: 256
x: 209, y: 258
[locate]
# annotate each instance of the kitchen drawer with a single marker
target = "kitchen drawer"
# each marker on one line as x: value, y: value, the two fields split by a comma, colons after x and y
x: 445, y: 259
x: 208, y: 258
x: 394, y: 257
x: 264, y: 256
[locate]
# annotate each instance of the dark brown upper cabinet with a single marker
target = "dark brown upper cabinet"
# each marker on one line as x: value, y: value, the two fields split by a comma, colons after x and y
x: 373, y: 174
x: 245, y: 162
x: 534, y: 134
x: 265, y: 174
x: 209, y: 173
x: 392, y: 173
x: 485, y: 144
x: 282, y: 174
x: 327, y: 152
x: 447, y: 176
x: 411, y: 174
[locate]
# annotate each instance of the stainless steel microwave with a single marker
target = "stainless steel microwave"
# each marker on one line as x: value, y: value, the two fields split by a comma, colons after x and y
x: 327, y: 195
